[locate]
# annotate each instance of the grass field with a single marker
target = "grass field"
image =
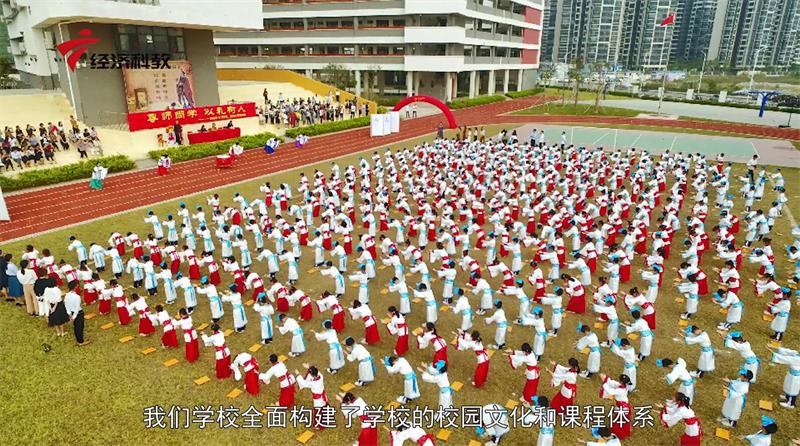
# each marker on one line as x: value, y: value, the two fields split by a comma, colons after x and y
x: 96, y: 394
x: 553, y: 108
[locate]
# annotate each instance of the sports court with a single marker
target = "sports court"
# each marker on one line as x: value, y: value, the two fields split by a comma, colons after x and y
x: 770, y: 151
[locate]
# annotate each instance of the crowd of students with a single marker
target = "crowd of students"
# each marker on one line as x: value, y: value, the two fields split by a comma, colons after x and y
x: 37, y: 146
x: 295, y: 112
x: 506, y: 226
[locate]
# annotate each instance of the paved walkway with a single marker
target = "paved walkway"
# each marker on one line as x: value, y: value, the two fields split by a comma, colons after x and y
x: 720, y: 113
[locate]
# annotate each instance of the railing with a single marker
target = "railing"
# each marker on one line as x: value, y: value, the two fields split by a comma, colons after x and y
x: 137, y: 2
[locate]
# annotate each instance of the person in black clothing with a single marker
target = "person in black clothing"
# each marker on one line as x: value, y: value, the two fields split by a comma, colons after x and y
x: 42, y: 283
x: 3, y: 278
x: 178, y: 130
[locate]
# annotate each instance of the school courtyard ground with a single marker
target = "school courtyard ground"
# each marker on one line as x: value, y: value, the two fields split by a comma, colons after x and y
x: 98, y: 394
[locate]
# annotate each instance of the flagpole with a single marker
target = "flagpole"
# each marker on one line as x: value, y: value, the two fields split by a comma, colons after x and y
x: 666, y: 66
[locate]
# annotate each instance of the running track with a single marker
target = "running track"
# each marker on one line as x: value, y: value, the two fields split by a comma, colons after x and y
x: 64, y: 205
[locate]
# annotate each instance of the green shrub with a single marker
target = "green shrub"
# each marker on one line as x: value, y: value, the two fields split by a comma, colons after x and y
x: 328, y: 127
x: 525, y: 93
x: 480, y: 100
x: 54, y: 175
x: 195, y: 151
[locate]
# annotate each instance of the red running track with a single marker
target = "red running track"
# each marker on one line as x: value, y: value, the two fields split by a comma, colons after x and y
x: 64, y: 205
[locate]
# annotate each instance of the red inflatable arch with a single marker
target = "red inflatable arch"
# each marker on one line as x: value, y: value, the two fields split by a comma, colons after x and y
x: 451, y: 119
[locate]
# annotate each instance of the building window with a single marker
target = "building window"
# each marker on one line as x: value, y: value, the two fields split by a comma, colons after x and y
x: 467, y: 50
x: 399, y: 50
x: 383, y: 50
x: 150, y: 40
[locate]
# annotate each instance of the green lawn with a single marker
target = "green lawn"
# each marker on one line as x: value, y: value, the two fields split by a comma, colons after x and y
x: 96, y: 394
x: 582, y: 95
x: 555, y: 108
x: 654, y: 128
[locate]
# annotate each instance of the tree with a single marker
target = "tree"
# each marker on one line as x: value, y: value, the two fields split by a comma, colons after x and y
x: 545, y: 74
x: 337, y: 75
x: 576, y: 76
x: 599, y: 68
x: 6, y: 69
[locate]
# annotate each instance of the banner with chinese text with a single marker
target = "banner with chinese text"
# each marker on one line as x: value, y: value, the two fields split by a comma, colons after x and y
x: 196, y: 115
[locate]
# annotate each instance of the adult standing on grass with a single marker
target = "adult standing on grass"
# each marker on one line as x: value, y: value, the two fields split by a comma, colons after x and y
x: 27, y: 277
x: 72, y: 304
x: 57, y: 314
x: 14, y: 287
x: 3, y: 276
x: 39, y: 287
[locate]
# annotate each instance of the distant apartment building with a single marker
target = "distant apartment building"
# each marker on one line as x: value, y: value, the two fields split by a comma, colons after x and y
x: 617, y: 33
x: 444, y: 48
x: 732, y: 33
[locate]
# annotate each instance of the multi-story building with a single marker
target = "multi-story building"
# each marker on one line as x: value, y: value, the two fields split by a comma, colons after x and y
x: 142, y: 27
x: 732, y: 33
x: 622, y: 33
x: 445, y: 48
x: 756, y: 33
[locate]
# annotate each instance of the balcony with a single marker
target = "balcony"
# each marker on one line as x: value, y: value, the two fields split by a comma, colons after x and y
x: 478, y: 7
x: 312, y: 8
x: 314, y: 61
x: 167, y: 13
x: 484, y: 35
x: 389, y: 36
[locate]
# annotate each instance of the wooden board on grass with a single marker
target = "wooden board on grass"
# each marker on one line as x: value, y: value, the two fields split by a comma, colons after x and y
x: 511, y: 404
x: 765, y: 405
x: 202, y: 326
x: 417, y: 331
x: 305, y: 437
x: 90, y: 316
x: 474, y: 443
x: 202, y: 380
x: 282, y: 358
x: 234, y: 393
x: 147, y: 351
x: 724, y: 434
x: 107, y: 326
x: 125, y: 339
x: 228, y: 332
x: 444, y: 434
x: 254, y: 348
x: 457, y: 385
x: 170, y: 362
x: 347, y: 387
x: 683, y: 323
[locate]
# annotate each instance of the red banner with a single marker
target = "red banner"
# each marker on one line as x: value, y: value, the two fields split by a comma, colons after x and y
x: 165, y: 118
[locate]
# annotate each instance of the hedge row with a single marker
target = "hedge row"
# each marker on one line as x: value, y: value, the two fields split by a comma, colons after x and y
x: 480, y: 100
x: 525, y: 93
x: 70, y: 172
x: 195, y: 151
x: 329, y: 127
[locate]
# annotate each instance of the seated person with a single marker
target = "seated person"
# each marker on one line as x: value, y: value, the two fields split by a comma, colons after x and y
x: 203, y: 128
x: 229, y: 125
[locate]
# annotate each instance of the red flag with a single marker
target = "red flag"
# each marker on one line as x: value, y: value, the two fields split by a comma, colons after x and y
x: 669, y: 20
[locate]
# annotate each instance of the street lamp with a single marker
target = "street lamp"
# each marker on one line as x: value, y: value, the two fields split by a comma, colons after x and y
x: 564, y: 90
x: 641, y: 77
x: 702, y: 69
x: 753, y: 71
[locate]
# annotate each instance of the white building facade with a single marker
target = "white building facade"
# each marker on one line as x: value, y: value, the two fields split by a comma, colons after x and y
x: 444, y: 48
